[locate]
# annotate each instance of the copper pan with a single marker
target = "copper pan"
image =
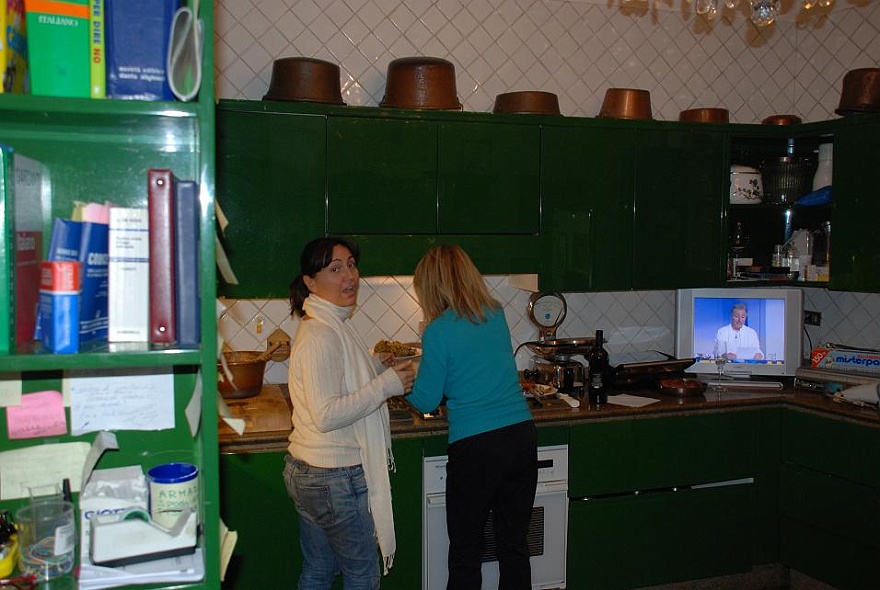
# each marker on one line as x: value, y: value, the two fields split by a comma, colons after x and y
x: 527, y: 102
x: 781, y: 120
x: 704, y: 115
x: 861, y: 92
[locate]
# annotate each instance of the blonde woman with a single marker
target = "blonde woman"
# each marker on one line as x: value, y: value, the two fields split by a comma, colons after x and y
x: 468, y: 360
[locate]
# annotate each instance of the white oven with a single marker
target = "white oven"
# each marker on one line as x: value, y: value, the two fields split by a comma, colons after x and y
x: 548, y: 530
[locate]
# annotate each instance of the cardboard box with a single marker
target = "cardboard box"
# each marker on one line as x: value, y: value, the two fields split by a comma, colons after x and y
x: 13, y: 47
x: 59, y: 306
x: 847, y: 360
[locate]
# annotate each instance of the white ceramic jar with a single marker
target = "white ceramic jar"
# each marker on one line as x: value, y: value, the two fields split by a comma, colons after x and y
x: 746, y: 187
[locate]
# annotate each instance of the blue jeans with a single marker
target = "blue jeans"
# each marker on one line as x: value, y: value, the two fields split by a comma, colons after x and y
x: 336, y: 532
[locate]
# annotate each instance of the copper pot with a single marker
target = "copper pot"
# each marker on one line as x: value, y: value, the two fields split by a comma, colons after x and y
x: 305, y: 79
x: 626, y: 103
x: 246, y: 368
x: 704, y: 115
x: 781, y: 120
x: 861, y: 92
x: 527, y: 102
x: 421, y: 83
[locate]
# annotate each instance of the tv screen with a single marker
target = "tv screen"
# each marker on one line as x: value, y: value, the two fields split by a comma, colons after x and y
x: 758, y: 330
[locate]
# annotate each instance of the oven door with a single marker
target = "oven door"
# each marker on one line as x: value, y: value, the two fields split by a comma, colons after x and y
x: 548, y: 533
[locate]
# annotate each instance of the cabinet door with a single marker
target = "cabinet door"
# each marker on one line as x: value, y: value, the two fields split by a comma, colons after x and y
x: 635, y: 541
x: 855, y: 253
x: 382, y: 176
x: 680, y: 188
x: 271, y: 171
x: 587, y: 192
x: 489, y: 178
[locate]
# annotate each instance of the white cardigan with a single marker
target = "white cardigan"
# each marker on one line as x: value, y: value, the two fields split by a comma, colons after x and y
x: 339, y: 413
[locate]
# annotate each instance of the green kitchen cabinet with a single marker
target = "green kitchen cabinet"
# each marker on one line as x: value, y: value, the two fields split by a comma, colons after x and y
x: 381, y: 176
x: 684, y: 494
x: 630, y: 541
x: 855, y: 254
x: 587, y: 187
x: 101, y: 151
x: 256, y: 505
x: 680, y: 176
x: 830, y: 500
x: 271, y: 185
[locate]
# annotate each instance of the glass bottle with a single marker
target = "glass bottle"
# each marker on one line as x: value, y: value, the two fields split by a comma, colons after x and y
x: 598, y: 371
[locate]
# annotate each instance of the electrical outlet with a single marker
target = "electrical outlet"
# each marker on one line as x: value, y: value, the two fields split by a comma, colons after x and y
x: 812, y: 318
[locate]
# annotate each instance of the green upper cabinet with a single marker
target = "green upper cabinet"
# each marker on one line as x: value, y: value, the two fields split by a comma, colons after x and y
x: 587, y: 184
x: 489, y: 179
x: 382, y: 176
x: 271, y: 179
x: 680, y: 178
x: 855, y: 254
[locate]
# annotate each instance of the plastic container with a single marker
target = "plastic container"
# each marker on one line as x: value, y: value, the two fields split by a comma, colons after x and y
x: 786, y: 179
x: 823, y: 176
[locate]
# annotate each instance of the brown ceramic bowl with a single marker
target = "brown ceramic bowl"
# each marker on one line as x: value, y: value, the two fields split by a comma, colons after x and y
x: 705, y: 115
x: 861, y: 92
x: 304, y: 79
x: 247, y: 368
x: 421, y: 83
x: 626, y: 103
x: 527, y: 102
x: 781, y: 120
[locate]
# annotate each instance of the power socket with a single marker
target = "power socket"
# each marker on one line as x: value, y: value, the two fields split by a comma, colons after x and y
x: 812, y: 318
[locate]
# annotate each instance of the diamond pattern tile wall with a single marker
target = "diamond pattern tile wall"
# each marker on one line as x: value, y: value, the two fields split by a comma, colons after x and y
x: 576, y: 49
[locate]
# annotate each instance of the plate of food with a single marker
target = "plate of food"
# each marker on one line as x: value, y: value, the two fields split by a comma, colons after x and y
x: 399, y: 350
x: 537, y: 389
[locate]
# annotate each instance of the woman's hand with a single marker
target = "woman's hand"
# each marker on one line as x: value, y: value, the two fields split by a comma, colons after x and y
x: 386, y: 358
x: 406, y: 372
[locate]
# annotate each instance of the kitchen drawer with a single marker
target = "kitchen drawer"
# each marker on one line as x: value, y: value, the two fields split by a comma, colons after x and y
x: 645, y: 454
x: 836, y: 560
x: 635, y: 541
x: 832, y: 446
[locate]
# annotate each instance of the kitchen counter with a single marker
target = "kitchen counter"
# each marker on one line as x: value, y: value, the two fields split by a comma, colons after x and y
x: 267, y: 415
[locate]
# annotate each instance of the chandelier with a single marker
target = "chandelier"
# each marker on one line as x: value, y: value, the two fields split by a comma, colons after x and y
x: 762, y: 12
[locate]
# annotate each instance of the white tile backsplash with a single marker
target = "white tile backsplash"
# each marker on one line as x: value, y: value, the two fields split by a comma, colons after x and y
x: 577, y: 49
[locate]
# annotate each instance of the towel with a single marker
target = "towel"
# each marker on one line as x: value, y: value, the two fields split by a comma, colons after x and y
x: 373, y: 432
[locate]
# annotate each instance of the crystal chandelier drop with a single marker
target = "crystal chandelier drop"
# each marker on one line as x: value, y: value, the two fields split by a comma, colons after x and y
x: 762, y: 12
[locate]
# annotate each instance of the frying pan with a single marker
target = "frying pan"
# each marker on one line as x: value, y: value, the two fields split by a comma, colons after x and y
x: 640, y: 372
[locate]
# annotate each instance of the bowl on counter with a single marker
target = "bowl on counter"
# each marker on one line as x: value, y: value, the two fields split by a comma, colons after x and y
x: 246, y: 369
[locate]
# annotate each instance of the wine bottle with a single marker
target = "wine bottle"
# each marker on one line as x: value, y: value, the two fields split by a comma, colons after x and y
x: 598, y: 371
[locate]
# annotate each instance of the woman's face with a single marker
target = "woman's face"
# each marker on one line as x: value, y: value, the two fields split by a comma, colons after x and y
x: 338, y: 281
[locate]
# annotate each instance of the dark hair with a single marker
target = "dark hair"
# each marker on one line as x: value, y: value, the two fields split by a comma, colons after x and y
x: 315, y: 256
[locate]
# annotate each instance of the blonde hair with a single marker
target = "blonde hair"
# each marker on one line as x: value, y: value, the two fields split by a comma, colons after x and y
x: 446, y: 278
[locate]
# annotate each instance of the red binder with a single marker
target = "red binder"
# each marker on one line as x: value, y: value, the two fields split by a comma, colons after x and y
x: 160, y: 202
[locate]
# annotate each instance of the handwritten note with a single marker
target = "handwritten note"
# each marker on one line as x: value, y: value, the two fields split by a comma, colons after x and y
x: 40, y: 414
x: 129, y: 400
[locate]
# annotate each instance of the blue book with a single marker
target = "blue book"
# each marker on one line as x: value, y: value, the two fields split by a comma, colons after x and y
x: 136, y: 39
x: 186, y: 267
x: 85, y: 242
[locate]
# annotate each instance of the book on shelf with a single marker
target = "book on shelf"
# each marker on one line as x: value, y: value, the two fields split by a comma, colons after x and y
x: 87, y: 243
x: 58, y: 47
x: 186, y: 267
x: 97, y: 62
x: 163, y: 292
x: 128, y: 299
x: 27, y: 196
x: 136, y: 40
x: 60, y: 283
x: 13, y: 47
x: 7, y: 329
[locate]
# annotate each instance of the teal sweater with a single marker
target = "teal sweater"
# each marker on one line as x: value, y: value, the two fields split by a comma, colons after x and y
x: 472, y: 365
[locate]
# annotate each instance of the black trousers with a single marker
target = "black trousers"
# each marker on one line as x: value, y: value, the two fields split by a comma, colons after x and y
x: 494, y: 471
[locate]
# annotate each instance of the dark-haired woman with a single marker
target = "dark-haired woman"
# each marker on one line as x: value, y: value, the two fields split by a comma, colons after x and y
x: 467, y: 358
x: 339, y: 454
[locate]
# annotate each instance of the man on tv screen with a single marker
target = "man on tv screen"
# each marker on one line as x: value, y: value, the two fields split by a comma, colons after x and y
x: 737, y: 341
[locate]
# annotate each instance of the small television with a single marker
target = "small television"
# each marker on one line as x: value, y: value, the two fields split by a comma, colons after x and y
x: 758, y: 329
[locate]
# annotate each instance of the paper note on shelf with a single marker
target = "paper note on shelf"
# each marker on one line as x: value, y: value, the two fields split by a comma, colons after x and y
x: 631, y: 401
x: 236, y: 424
x: 40, y: 465
x: 121, y: 400
x: 40, y: 414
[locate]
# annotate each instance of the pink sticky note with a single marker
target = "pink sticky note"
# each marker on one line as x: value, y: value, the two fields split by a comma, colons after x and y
x: 40, y: 414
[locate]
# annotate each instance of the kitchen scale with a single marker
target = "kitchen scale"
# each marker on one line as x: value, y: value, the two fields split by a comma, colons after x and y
x: 552, y: 363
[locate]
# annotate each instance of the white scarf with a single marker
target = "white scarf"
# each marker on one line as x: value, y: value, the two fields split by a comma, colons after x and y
x: 373, y: 432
